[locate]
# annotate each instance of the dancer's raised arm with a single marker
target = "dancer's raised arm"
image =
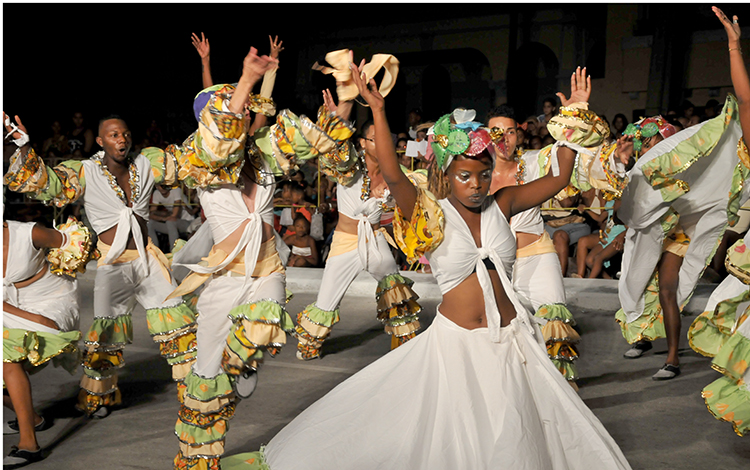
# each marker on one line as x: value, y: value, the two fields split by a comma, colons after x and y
x: 740, y: 80
x: 253, y: 69
x: 515, y: 199
x: 399, y: 185
x: 204, y: 50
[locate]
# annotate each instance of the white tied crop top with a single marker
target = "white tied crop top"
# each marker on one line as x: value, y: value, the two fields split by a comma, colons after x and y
x: 105, y: 209
x: 367, y: 213
x: 24, y: 260
x: 226, y: 211
x: 458, y: 256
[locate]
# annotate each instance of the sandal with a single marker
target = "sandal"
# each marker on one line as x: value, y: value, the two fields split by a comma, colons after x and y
x: 637, y: 349
x: 668, y: 371
x: 18, y: 457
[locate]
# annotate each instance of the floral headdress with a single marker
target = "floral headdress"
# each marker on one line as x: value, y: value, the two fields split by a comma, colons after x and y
x: 647, y: 128
x: 457, y: 134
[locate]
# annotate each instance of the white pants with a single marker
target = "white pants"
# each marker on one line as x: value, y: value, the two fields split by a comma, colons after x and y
x: 219, y: 296
x: 538, y: 280
x: 341, y: 270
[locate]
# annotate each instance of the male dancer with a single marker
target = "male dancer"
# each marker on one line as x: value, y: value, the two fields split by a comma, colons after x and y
x: 537, y: 276
x: 115, y: 189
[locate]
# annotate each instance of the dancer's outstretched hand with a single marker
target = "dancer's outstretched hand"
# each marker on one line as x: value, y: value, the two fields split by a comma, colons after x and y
x: 276, y: 47
x: 367, y: 88
x: 731, y: 27
x: 201, y: 45
x: 328, y: 101
x: 13, y: 130
x: 254, y: 66
x: 580, y: 88
x: 624, y: 149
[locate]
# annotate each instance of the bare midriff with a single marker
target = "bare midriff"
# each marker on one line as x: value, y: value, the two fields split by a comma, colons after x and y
x: 525, y: 239
x: 349, y: 225
x: 464, y: 304
x: 228, y: 244
x: 108, y: 236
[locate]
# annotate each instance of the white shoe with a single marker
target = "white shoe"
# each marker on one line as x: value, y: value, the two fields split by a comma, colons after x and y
x: 668, y: 371
x: 638, y: 349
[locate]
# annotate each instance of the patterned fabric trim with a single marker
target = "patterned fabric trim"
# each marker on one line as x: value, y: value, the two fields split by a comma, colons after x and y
x: 424, y: 232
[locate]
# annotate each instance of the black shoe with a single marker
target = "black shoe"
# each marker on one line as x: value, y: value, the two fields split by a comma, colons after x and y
x: 637, y: 349
x: 101, y: 412
x: 18, y: 458
x: 668, y: 371
x: 245, y: 384
x: 11, y: 427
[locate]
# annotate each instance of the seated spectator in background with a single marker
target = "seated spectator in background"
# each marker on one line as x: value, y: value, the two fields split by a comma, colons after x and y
x: 80, y: 139
x: 710, y: 110
x: 283, y: 196
x: 619, y: 123
x: 565, y: 227
x: 304, y: 249
x: 694, y: 119
x: 535, y: 143
x: 547, y: 139
x: 168, y: 214
x: 549, y: 110
x: 521, y: 139
x: 687, y: 110
x: 595, y: 250
x: 401, y: 152
x: 531, y: 126
x: 56, y: 145
x: 413, y: 119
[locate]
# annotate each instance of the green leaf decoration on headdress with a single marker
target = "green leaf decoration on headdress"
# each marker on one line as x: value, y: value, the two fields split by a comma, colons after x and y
x: 448, y: 140
x: 649, y: 130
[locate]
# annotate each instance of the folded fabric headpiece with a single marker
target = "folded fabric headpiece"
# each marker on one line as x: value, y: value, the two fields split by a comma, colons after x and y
x: 458, y: 134
x: 201, y: 99
x: 346, y: 89
x: 647, y: 128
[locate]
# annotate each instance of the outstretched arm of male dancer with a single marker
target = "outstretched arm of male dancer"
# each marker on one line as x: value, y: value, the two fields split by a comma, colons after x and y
x: 740, y: 80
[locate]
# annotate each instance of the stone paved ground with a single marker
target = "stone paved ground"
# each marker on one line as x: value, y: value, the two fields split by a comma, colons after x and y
x: 658, y: 425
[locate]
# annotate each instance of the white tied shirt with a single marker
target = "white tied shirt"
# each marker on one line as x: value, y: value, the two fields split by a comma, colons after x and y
x: 458, y: 256
x: 105, y: 209
x: 367, y: 213
x: 24, y: 260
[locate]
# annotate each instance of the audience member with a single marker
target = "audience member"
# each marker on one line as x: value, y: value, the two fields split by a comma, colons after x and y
x: 81, y: 138
x: 56, y: 145
x: 619, y: 123
x: 304, y: 249
x: 167, y: 215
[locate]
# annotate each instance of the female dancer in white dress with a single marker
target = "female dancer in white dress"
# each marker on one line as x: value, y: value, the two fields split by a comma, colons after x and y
x: 476, y: 389
x: 40, y: 318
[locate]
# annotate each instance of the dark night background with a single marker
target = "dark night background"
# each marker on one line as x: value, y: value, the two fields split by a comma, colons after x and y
x: 137, y: 60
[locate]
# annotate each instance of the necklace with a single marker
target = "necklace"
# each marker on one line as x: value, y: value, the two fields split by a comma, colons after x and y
x: 521, y: 167
x: 365, y: 178
x: 132, y: 181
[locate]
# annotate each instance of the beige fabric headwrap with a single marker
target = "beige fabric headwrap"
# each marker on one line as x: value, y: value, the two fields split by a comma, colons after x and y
x: 346, y: 88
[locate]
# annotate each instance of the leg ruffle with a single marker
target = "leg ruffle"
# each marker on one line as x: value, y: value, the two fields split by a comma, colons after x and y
x: 37, y: 348
x: 650, y: 325
x: 103, y: 356
x: 560, y: 337
x: 711, y: 329
x: 207, y: 405
x: 728, y: 398
x: 313, y: 327
x: 173, y: 329
x: 246, y: 461
x: 259, y: 326
x: 398, y: 308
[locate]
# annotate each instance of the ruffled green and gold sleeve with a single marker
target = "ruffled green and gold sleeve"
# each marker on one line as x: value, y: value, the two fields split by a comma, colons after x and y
x: 424, y: 232
x: 214, y: 154
x: 294, y: 139
x: 59, y: 185
x: 596, y: 165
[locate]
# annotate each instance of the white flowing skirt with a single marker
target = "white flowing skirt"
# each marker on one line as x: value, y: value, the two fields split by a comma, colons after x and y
x: 450, y: 399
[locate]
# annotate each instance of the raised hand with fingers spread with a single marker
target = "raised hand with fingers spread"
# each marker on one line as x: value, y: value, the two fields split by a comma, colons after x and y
x: 276, y: 47
x: 580, y: 88
x: 204, y: 51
